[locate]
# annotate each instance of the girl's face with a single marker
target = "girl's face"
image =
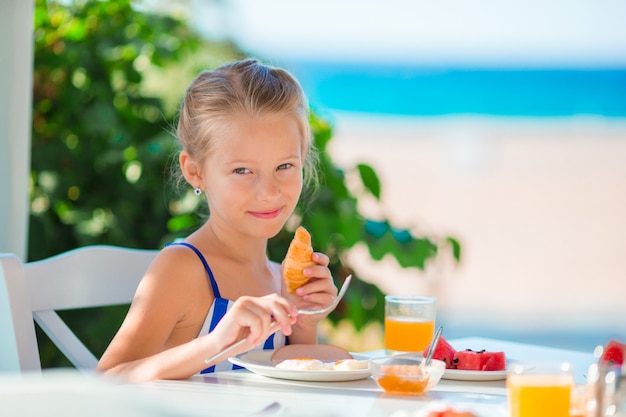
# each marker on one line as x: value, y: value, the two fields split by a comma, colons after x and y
x: 253, y: 176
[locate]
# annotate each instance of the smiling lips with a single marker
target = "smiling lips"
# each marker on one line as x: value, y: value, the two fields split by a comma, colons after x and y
x: 270, y: 214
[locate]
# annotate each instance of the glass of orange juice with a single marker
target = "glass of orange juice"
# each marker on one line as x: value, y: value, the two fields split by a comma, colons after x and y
x: 540, y: 390
x: 409, y: 322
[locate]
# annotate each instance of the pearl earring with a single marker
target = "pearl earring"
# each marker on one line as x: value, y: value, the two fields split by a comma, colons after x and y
x: 197, y: 191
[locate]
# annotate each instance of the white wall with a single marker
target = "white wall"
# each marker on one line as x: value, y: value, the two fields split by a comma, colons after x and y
x: 16, y: 56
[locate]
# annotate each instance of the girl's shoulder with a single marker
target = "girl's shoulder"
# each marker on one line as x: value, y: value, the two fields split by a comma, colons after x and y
x: 175, y: 265
x: 172, y: 284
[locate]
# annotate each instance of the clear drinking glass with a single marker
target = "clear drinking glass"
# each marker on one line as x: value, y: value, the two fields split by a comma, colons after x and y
x: 540, y: 390
x: 409, y: 322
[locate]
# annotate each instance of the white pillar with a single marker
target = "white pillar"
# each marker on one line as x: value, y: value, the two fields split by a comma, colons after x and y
x: 16, y: 73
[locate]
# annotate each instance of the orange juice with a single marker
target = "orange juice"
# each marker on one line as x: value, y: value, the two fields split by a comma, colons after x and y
x: 406, y: 335
x: 539, y: 395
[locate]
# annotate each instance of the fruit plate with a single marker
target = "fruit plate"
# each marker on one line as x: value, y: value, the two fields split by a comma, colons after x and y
x: 260, y: 362
x: 463, y: 375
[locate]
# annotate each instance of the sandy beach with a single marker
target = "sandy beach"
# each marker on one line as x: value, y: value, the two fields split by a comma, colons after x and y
x: 539, y: 207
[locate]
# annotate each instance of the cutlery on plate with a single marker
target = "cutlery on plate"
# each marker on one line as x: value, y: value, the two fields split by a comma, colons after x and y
x: 342, y: 292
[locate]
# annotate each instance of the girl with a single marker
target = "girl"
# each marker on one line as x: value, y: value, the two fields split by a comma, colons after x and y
x: 247, y: 146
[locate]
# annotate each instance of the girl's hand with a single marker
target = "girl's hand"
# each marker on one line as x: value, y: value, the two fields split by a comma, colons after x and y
x: 254, y: 318
x: 319, y: 292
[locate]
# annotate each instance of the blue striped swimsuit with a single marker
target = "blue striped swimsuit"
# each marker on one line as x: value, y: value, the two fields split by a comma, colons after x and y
x: 219, y: 307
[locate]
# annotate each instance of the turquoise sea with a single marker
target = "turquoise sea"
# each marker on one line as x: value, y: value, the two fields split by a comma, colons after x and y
x: 413, y: 90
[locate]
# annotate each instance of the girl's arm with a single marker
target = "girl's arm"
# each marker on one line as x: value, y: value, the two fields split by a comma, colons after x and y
x: 250, y: 318
x: 158, y: 339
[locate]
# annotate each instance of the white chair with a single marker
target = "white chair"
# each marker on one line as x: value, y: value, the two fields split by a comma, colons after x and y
x: 91, y: 276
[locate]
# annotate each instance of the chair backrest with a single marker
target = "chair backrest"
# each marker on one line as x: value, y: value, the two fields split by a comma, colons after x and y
x: 91, y: 276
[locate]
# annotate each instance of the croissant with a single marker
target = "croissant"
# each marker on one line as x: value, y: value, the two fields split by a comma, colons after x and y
x: 299, y: 256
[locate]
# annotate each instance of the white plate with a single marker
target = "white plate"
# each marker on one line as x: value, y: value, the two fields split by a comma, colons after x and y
x: 462, y: 375
x: 260, y: 362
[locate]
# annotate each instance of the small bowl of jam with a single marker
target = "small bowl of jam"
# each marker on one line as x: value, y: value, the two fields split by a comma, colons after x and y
x: 405, y: 375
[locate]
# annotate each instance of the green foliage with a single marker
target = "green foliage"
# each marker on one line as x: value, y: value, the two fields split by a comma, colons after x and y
x: 97, y: 140
x: 102, y: 150
x: 101, y: 146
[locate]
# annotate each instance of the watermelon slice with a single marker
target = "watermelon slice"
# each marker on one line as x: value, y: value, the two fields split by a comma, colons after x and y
x: 443, y: 352
x: 614, y: 353
x: 471, y: 360
x: 496, y: 361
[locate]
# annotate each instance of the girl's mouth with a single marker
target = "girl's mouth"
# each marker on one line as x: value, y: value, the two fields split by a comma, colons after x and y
x: 270, y: 214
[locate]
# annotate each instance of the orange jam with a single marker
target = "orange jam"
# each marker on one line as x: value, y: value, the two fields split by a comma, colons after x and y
x: 403, y: 379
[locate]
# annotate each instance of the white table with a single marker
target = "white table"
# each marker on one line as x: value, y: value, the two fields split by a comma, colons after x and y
x: 242, y: 393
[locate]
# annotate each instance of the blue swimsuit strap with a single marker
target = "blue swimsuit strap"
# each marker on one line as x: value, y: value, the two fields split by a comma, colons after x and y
x: 216, y: 291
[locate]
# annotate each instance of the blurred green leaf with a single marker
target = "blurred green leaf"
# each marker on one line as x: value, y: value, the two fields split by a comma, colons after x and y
x: 456, y: 247
x: 370, y: 179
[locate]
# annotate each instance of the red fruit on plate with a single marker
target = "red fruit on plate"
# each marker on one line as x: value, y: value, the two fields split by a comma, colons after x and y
x: 496, y: 361
x: 444, y: 352
x: 614, y: 352
x: 451, y: 412
x: 471, y: 360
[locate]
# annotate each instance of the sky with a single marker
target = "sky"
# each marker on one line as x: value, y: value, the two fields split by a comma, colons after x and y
x: 570, y: 33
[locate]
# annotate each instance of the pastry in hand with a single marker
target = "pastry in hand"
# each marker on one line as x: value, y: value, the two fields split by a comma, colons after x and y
x: 299, y: 256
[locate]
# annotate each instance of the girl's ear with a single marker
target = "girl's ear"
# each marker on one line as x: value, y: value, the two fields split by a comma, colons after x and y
x: 190, y: 170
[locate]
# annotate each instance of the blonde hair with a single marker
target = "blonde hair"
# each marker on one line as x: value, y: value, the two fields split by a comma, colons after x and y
x: 242, y: 87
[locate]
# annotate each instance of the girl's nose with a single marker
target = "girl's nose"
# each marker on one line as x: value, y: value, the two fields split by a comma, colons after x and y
x: 268, y: 188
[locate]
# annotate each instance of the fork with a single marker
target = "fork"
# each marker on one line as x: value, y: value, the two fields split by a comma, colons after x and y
x: 308, y: 312
x: 342, y: 291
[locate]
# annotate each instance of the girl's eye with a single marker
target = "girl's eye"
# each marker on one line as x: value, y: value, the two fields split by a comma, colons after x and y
x: 284, y: 166
x: 241, y: 170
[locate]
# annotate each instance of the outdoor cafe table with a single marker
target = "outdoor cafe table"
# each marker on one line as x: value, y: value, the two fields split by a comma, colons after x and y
x: 242, y: 393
